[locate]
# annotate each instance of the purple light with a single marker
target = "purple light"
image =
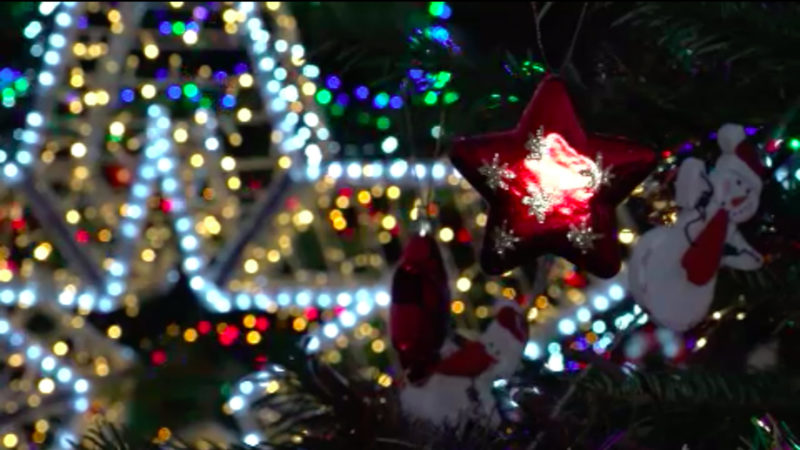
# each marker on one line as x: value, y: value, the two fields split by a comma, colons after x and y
x: 750, y: 130
x: 83, y: 22
x: 687, y: 146
x: 396, y: 102
x: 200, y: 13
x: 165, y: 28
x: 415, y: 74
x: 240, y: 68
x: 333, y: 82
x: 712, y: 135
x: 220, y: 76
x: 362, y: 92
x: 343, y: 99
x: 162, y: 74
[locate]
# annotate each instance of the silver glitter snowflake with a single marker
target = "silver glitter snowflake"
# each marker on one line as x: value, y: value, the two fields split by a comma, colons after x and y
x: 496, y: 174
x: 582, y: 237
x: 504, y: 240
x: 538, y: 202
x: 598, y: 175
x: 535, y: 145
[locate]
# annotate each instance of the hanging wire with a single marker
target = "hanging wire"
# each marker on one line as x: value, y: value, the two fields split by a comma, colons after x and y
x: 538, y: 31
x: 537, y: 16
x: 574, y: 37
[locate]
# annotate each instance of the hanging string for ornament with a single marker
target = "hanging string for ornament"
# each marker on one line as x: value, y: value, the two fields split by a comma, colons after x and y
x: 537, y: 17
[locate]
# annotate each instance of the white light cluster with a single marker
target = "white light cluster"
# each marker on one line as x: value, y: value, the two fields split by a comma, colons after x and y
x: 248, y: 390
x: 40, y: 360
x: 396, y: 171
x: 357, y: 307
x: 49, y: 75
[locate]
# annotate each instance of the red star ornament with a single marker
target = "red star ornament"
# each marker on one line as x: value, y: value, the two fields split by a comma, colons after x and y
x: 550, y: 187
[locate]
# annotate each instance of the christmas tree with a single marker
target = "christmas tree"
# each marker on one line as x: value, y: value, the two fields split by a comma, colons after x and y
x: 398, y: 225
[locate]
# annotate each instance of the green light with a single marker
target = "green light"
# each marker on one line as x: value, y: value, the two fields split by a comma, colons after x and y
x: 513, y: 98
x: 323, y: 96
x: 794, y: 144
x: 450, y: 97
x: 538, y: 67
x: 8, y: 93
x: 190, y: 90
x: 442, y: 79
x: 205, y: 102
x: 383, y: 123
x: 436, y: 9
x: 337, y: 110
x: 21, y: 85
x: 178, y: 28
x: 431, y: 98
x: 363, y: 118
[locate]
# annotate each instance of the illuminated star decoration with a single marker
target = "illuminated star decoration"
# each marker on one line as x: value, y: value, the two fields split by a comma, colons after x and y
x: 559, y: 185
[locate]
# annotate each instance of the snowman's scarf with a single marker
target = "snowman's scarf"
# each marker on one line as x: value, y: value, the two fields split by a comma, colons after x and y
x: 702, y: 259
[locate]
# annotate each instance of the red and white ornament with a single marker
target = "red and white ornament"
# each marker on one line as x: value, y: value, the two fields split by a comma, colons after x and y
x: 673, y: 270
x: 459, y: 386
x: 550, y: 187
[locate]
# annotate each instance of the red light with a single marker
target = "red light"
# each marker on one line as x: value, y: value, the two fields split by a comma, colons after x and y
x: 666, y: 154
x: 463, y: 236
x: 158, y: 357
x: 262, y: 323
x: 229, y: 335
x: 18, y: 224
x: 575, y: 279
x: 292, y: 203
x: 312, y: 313
x: 166, y: 205
x: 82, y: 236
x: 346, y: 191
x: 203, y: 327
x: 337, y: 310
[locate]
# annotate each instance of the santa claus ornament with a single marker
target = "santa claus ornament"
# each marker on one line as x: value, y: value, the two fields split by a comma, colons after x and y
x: 459, y: 386
x: 550, y: 187
x: 673, y: 270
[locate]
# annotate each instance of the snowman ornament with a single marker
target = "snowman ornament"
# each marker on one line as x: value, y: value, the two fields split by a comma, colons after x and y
x: 459, y: 386
x: 673, y: 270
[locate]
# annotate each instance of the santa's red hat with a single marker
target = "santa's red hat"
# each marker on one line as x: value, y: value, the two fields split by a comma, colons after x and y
x: 738, y: 155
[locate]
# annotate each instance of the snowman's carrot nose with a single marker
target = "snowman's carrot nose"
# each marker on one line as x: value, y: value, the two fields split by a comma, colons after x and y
x: 738, y: 200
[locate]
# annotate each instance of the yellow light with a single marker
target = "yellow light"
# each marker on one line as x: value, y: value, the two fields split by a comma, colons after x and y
x: 151, y: 51
x: 15, y: 360
x: 384, y: 237
x: 510, y: 292
x: 227, y: 163
x: 78, y: 150
x: 342, y: 202
x: 305, y: 217
x: 251, y: 266
x: 73, y: 216
x: 46, y: 386
x: 196, y: 160
x: 378, y: 346
x: 81, y: 173
x: 180, y: 135
x: 114, y: 16
x: 389, y: 222
x: 273, y: 6
x: 393, y: 192
x: 102, y: 97
x: 273, y: 256
x: 309, y: 88
x: 741, y: 316
x: 148, y: 255
x: 385, y: 380
x: 339, y: 223
x: 190, y: 335
x: 117, y: 27
x: 480, y: 220
x: 90, y: 98
x: 533, y: 313
x: 272, y: 386
x: 626, y: 236
x: 481, y: 312
x: 245, y: 80
x: 249, y: 321
x: 457, y: 307
x: 60, y: 348
x: 542, y: 302
x: 229, y: 15
x: 446, y: 234
x: 212, y: 225
x: 101, y: 367
x: 299, y: 324
x: 463, y: 284
x: 253, y: 337
x: 284, y: 162
x: 6, y: 275
x: 76, y: 80
x: 42, y: 251
x: 79, y: 49
x: 364, y: 197
x: 701, y: 343
x: 234, y: 183
x: 42, y: 426
x: 201, y: 116
x: 244, y: 115
x: 190, y: 37
x: 173, y: 329
x: 231, y: 28
x: 717, y: 315
x: 164, y: 433
x: 176, y: 5
x: 75, y: 106
x: 148, y: 91
x: 10, y: 440
x: 114, y: 331
x: 117, y: 128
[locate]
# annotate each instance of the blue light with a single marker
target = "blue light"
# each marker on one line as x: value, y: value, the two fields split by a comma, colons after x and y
x: 127, y: 95
x: 439, y: 34
x: 362, y: 92
x: 446, y: 12
x: 566, y: 327
x: 34, y: 352
x: 396, y: 102
x: 333, y: 82
x: 616, y: 292
x: 165, y: 28
x: 174, y: 92
x: 584, y: 315
x: 600, y: 303
x: 324, y: 300
x: 228, y: 101
x: 81, y: 404
x: 599, y: 327
x: 416, y: 74
x: 532, y: 350
x: 554, y: 347
x: 381, y: 100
